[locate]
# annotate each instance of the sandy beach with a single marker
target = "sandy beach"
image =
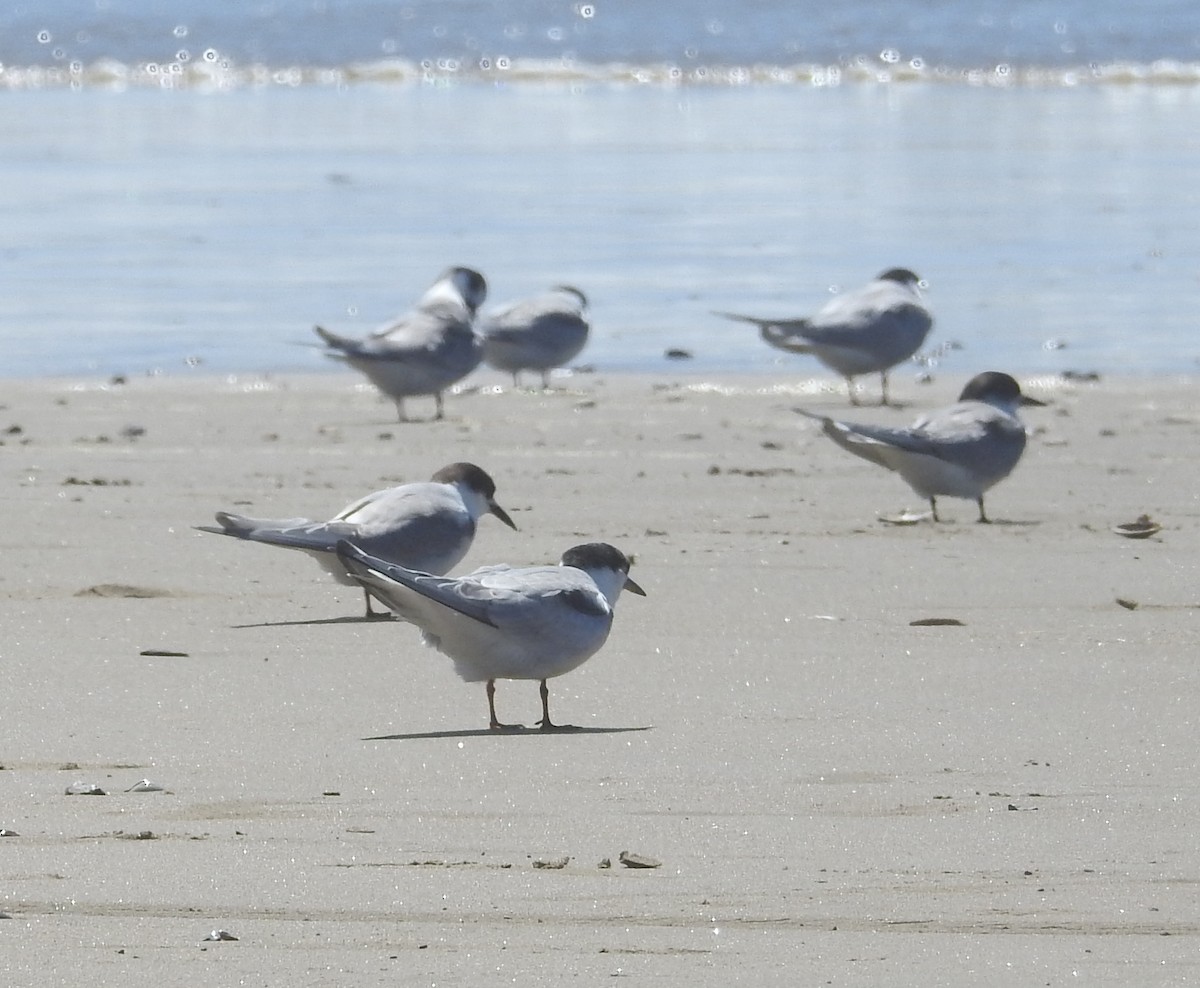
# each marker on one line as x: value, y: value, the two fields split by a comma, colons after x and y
x: 836, y: 794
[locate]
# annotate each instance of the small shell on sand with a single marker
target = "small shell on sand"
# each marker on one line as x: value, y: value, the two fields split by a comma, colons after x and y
x: 146, y: 786
x: 631, y: 860
x: 219, y: 935
x: 906, y: 517
x: 1143, y: 528
x: 85, y: 789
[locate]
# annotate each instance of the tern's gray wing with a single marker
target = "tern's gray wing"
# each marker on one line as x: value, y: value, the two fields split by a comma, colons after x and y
x: 409, y: 592
x: 521, y: 313
x: 534, y: 585
x: 290, y: 533
x: 421, y: 355
x: 423, y: 526
x: 536, y: 333
x: 544, y: 328
x: 855, y: 333
x: 783, y: 334
x: 860, y: 345
x: 985, y: 440
x: 969, y: 421
x: 424, y: 327
x: 493, y: 595
x: 863, y: 324
x: 410, y: 337
x: 879, y: 444
x: 862, y: 339
x: 788, y: 325
x: 393, y: 506
x: 972, y: 435
x: 368, y: 503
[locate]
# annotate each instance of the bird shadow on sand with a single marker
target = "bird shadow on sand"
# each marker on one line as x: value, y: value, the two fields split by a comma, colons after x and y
x: 924, y: 521
x: 483, y: 732
x: 315, y: 621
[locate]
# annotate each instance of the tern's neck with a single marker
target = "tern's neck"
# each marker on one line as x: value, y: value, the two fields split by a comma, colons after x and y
x: 1009, y: 406
x: 609, y: 582
x: 476, y: 504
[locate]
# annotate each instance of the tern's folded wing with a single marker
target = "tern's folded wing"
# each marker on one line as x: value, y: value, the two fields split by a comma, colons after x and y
x: 786, y: 325
x: 865, y: 326
x: 363, y: 502
x: 877, y: 444
x: 290, y: 533
x: 395, y: 585
x: 517, y: 315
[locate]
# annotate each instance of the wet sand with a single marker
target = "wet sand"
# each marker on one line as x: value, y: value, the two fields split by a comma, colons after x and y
x: 835, y: 794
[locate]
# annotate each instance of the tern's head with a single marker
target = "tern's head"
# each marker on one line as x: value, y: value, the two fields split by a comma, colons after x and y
x: 470, y: 285
x: 456, y: 286
x: 578, y: 298
x: 997, y: 389
x: 477, y: 489
x: 902, y: 276
x: 608, y: 567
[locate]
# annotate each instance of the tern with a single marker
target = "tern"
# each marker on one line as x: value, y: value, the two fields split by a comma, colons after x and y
x: 504, y: 622
x: 538, y: 333
x: 959, y: 451
x: 427, y: 526
x: 866, y: 331
x: 424, y: 351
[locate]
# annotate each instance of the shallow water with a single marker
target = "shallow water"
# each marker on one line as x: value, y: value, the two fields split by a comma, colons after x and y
x: 464, y: 35
x: 144, y: 228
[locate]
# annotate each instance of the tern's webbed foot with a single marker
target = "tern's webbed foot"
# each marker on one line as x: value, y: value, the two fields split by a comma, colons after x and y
x: 546, y: 725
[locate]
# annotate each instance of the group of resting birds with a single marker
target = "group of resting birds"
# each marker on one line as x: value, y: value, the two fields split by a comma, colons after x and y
x: 958, y: 451
x: 444, y: 338
x: 503, y: 622
x: 498, y: 622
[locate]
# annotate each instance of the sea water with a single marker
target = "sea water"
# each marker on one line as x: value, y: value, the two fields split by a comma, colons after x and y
x: 188, y: 185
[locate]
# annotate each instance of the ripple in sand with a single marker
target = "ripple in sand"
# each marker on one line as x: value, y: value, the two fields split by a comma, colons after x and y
x: 122, y: 590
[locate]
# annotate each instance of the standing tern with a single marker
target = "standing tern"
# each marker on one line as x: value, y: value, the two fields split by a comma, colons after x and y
x: 502, y: 622
x: 538, y: 333
x: 425, y: 526
x: 424, y: 351
x: 865, y: 331
x: 959, y: 451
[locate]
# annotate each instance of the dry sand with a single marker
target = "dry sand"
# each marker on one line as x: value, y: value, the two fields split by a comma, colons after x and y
x: 836, y: 795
